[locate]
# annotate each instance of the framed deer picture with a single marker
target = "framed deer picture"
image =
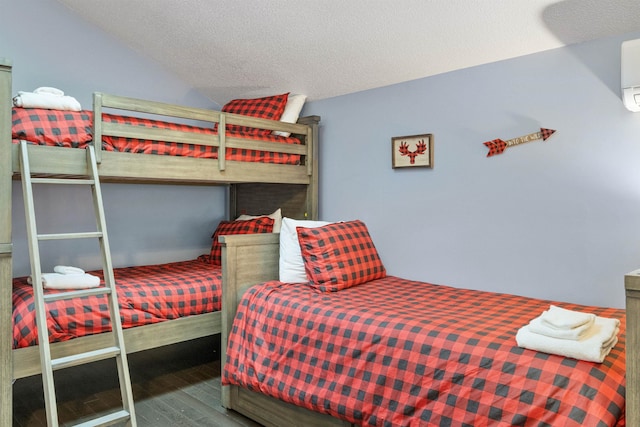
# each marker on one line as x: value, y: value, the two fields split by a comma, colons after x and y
x: 412, y: 151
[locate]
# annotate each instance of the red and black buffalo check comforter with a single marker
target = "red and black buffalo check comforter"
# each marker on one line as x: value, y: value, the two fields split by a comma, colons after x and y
x: 393, y: 352
x: 147, y: 294
x: 73, y: 129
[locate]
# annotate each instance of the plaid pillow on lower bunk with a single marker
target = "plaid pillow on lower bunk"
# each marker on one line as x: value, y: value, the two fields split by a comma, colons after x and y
x: 262, y: 224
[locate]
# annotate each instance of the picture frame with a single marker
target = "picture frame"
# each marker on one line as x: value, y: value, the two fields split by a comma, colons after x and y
x: 413, y: 151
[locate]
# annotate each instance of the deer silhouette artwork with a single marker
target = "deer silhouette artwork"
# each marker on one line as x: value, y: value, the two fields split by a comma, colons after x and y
x: 421, y: 148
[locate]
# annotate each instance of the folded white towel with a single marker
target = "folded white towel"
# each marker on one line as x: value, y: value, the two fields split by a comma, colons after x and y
x: 538, y: 326
x: 561, y: 318
x: 46, y: 100
x: 67, y: 269
x: 50, y: 90
x: 593, y: 346
x: 68, y: 281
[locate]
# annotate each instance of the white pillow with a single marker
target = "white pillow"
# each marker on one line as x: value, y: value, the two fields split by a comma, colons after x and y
x: 291, y: 263
x: 291, y: 112
x: 276, y: 216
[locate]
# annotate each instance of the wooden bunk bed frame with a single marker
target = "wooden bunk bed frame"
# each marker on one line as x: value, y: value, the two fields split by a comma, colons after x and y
x: 253, y: 188
x: 252, y: 259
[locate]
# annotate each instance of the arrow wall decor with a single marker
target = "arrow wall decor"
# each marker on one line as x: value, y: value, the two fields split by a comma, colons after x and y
x: 497, y: 146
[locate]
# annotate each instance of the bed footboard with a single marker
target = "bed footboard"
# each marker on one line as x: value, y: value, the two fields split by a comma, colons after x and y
x: 632, y: 288
x: 248, y: 260
x: 271, y: 412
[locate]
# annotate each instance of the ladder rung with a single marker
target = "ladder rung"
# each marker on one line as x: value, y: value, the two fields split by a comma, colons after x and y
x: 102, y: 290
x: 83, y: 358
x: 65, y: 181
x: 108, y: 419
x: 62, y: 236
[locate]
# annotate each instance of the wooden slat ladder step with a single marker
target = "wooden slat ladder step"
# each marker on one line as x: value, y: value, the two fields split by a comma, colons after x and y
x: 116, y: 350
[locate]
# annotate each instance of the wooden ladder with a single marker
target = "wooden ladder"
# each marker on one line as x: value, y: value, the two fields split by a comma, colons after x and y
x: 117, y: 350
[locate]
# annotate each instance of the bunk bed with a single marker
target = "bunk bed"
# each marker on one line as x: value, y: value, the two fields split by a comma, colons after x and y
x: 212, y: 147
x: 281, y: 391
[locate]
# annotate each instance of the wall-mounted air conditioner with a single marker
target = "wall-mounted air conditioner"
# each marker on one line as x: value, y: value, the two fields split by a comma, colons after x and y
x: 630, y: 75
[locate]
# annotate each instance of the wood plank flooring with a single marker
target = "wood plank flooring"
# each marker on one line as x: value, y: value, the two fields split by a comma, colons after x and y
x: 177, y: 385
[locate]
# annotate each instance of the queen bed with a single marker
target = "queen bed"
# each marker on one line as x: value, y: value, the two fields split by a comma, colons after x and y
x: 149, y: 142
x: 389, y: 351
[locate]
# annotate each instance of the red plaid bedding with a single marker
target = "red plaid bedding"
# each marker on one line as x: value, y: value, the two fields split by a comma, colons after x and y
x: 74, y: 130
x: 147, y: 294
x: 397, y: 352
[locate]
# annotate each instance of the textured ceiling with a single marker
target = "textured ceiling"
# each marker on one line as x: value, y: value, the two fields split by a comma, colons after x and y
x: 324, y: 48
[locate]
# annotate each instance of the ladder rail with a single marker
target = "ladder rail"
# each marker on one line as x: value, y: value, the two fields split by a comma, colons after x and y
x: 38, y: 291
x: 117, y: 350
x: 116, y: 324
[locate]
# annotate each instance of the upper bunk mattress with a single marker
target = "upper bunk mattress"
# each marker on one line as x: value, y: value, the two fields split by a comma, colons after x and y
x: 146, y: 294
x: 73, y: 129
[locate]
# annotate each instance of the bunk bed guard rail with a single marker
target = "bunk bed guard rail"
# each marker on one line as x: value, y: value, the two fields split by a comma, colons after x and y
x: 220, y: 140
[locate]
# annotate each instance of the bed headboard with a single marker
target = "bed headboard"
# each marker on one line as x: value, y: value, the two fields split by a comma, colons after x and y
x: 262, y: 199
x: 299, y: 201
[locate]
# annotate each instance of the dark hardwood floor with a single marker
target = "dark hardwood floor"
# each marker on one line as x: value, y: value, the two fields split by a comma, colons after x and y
x: 177, y: 385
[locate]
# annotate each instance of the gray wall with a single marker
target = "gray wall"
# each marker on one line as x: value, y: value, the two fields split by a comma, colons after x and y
x: 146, y: 223
x: 556, y: 219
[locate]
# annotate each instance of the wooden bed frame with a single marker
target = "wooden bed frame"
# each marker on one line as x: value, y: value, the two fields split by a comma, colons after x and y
x: 248, y: 260
x: 632, y: 288
x: 252, y: 259
x: 253, y: 188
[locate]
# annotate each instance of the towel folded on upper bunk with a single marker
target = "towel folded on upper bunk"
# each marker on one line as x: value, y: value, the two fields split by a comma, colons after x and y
x: 48, y: 98
x: 68, y: 281
x: 50, y: 90
x: 593, y: 345
x: 67, y: 269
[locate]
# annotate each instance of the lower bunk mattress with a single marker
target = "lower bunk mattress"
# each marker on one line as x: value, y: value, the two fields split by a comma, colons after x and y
x: 394, y: 352
x: 146, y: 294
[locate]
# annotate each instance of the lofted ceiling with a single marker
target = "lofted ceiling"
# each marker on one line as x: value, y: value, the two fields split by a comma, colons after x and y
x: 324, y: 48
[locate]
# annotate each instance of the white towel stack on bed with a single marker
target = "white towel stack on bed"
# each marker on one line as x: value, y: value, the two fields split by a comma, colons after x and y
x: 48, y: 98
x: 570, y: 333
x: 67, y: 277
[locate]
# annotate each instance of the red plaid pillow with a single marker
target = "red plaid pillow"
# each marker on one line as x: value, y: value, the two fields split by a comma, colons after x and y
x: 52, y: 127
x: 270, y: 107
x: 339, y: 255
x: 263, y: 224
